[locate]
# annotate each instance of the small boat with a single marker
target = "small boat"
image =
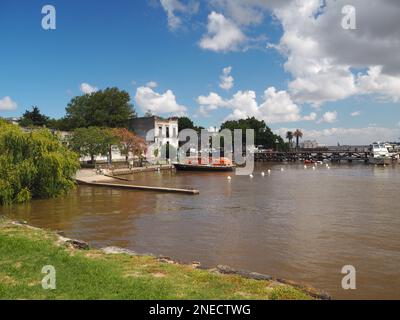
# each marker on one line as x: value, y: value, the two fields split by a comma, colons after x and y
x: 222, y: 164
x: 309, y: 161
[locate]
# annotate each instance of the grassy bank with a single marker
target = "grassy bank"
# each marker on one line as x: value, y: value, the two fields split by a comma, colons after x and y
x: 92, y: 274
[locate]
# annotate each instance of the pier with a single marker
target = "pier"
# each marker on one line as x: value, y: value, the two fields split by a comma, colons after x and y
x: 316, y: 155
x: 89, y: 177
x: 141, y: 188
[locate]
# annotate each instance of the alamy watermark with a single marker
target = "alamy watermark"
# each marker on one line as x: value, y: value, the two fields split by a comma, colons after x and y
x: 49, y: 20
x: 49, y: 280
x: 349, y: 280
x: 349, y: 20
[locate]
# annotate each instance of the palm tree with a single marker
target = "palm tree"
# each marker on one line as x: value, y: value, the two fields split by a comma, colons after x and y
x: 298, y: 134
x: 289, y: 136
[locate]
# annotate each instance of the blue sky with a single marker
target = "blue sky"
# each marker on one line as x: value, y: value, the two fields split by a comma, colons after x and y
x: 130, y: 43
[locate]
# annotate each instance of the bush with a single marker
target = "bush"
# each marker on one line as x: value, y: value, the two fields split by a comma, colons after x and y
x: 33, y: 165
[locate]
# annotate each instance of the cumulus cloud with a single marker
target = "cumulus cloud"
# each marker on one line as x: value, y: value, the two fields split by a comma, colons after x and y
x: 222, y: 34
x: 149, y: 100
x: 329, y: 117
x: 172, y: 7
x: 320, y: 55
x: 276, y: 107
x: 226, y: 79
x: 152, y: 84
x: 7, y: 104
x: 383, y: 85
x: 347, y: 136
x: 86, y: 88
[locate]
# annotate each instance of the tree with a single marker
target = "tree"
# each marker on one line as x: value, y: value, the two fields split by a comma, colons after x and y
x: 298, y: 134
x: 263, y: 135
x: 105, y: 108
x: 34, y: 118
x: 91, y: 142
x: 34, y: 165
x: 187, y: 123
x: 129, y: 143
x: 289, y: 136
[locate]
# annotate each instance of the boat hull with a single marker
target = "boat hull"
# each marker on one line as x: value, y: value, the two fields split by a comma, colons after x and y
x: 192, y: 167
x: 380, y: 161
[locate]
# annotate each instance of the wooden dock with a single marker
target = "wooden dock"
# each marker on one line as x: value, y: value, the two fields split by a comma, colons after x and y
x: 138, y: 187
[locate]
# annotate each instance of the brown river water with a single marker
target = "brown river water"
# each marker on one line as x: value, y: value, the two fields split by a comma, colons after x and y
x: 298, y: 224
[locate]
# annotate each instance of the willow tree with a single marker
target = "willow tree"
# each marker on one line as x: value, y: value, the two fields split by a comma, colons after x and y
x: 34, y: 165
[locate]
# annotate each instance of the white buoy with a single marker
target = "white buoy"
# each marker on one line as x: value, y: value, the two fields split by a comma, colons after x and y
x: 251, y: 176
x: 327, y: 165
x: 329, y: 168
x: 263, y: 173
x: 305, y: 167
x: 229, y: 178
x: 269, y: 171
x: 313, y: 168
x: 282, y: 169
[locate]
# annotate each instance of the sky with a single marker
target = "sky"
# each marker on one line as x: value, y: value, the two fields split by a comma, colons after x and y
x: 330, y: 68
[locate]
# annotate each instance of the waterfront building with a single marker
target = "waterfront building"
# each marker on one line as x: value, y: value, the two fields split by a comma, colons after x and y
x: 309, y: 144
x: 158, y: 132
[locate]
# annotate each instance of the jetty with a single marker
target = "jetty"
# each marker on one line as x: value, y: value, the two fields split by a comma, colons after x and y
x: 89, y: 177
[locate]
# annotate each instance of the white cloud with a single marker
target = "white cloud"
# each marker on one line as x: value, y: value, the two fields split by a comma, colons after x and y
x: 320, y: 55
x: 347, y: 136
x: 227, y: 80
x: 355, y: 113
x: 149, y: 100
x: 86, y: 88
x: 329, y: 117
x: 375, y: 82
x: 171, y: 7
x: 277, y: 106
x: 152, y: 84
x: 7, y: 104
x: 222, y: 34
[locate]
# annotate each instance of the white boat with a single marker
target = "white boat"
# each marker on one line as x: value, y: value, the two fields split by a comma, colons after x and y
x: 380, y: 154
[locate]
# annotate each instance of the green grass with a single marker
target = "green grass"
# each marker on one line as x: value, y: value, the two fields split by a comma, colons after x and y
x: 91, y: 274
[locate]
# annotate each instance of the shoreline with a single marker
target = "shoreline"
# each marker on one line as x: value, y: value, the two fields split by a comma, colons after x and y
x: 221, y: 270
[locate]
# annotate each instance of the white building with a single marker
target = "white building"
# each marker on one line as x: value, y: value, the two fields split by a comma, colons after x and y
x: 309, y: 144
x: 159, y: 133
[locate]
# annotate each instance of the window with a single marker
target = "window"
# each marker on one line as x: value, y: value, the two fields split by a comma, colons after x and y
x: 160, y: 131
x: 167, y: 132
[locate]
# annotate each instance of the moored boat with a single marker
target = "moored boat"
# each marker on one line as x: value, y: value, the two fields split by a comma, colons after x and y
x: 380, y: 154
x: 221, y: 164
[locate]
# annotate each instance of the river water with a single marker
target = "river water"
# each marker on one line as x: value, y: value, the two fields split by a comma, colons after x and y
x: 298, y: 224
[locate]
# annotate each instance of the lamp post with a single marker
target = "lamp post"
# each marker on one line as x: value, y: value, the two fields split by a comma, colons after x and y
x: 277, y: 144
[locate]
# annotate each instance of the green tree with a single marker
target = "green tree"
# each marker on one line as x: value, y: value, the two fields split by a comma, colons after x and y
x: 92, y: 141
x: 34, y: 165
x: 298, y: 134
x: 289, y: 136
x: 187, y: 123
x: 34, y: 118
x: 105, y: 108
x: 263, y: 135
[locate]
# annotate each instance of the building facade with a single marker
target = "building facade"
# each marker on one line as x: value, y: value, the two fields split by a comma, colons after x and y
x: 158, y: 132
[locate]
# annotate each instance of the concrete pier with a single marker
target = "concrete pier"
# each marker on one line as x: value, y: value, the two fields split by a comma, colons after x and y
x: 89, y: 177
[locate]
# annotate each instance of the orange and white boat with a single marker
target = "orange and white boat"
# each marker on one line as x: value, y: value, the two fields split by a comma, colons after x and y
x: 199, y: 164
